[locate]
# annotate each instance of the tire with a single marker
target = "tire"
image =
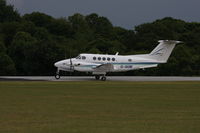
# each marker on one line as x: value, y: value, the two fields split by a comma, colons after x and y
x: 97, y: 77
x: 103, y: 78
x: 57, y: 76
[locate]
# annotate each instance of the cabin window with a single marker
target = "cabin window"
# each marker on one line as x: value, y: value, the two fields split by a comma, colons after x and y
x: 104, y: 58
x: 99, y: 58
x: 113, y: 59
x: 108, y: 59
x: 129, y: 60
x: 94, y: 58
x: 83, y: 57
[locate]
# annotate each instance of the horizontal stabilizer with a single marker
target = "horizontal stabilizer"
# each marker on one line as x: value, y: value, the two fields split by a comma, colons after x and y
x: 148, y: 66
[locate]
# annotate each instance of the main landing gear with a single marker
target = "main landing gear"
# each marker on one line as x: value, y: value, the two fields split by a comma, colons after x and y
x: 103, y: 78
x: 97, y: 77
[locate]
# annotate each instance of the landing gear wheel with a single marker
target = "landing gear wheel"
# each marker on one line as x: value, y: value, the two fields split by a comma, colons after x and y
x: 103, y: 78
x: 57, y: 76
x: 97, y: 77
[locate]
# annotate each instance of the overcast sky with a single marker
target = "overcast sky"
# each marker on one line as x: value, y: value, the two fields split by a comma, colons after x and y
x: 124, y: 13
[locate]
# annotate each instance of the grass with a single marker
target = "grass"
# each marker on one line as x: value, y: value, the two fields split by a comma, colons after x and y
x: 99, y: 107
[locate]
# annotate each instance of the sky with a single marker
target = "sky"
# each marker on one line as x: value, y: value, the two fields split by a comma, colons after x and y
x: 123, y: 13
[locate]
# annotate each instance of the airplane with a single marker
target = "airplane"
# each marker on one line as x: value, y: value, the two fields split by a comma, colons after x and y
x: 100, y: 64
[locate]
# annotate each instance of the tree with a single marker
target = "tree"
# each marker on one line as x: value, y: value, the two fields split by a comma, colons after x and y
x: 2, y: 47
x: 21, y: 50
x: 7, y: 65
x: 39, y: 19
x: 126, y: 37
x: 7, y: 12
x: 78, y: 23
x: 9, y: 30
x: 100, y: 25
x: 60, y: 27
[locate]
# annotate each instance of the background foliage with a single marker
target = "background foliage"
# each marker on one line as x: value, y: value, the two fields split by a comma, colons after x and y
x: 32, y: 43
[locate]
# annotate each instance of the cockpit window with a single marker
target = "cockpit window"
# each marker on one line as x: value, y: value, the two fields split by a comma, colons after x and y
x: 78, y: 57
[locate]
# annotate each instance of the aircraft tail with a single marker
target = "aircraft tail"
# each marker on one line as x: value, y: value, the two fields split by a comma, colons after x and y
x: 164, y: 49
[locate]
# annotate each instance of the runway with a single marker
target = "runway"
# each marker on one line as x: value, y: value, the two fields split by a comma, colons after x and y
x: 91, y: 78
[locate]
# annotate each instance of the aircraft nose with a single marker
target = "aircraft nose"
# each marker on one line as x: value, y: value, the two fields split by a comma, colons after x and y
x: 56, y: 64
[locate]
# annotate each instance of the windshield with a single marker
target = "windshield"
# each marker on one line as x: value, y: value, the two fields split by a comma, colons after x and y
x: 78, y: 57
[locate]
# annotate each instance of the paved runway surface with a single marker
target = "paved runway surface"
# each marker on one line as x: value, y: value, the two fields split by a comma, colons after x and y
x: 91, y: 78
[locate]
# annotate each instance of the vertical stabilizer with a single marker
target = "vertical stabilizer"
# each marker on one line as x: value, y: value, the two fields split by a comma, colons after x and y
x: 164, y: 49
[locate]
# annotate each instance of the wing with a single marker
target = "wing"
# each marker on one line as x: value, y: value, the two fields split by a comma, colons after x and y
x: 104, y: 68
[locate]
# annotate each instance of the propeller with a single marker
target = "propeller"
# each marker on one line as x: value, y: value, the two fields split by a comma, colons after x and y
x: 71, y: 63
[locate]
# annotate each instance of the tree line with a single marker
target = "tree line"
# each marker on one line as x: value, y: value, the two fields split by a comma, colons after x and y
x: 30, y: 44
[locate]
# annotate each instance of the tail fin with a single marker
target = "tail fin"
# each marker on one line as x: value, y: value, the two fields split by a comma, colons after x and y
x: 164, y: 49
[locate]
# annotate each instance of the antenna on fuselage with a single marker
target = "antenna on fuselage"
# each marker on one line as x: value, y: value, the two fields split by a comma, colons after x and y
x: 117, y: 53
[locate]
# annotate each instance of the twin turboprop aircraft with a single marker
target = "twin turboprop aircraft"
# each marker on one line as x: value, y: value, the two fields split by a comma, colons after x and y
x: 100, y: 64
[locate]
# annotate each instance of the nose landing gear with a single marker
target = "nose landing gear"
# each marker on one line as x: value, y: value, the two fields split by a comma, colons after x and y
x: 57, y: 75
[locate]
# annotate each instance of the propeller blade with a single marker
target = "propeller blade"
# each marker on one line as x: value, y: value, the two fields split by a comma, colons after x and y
x: 71, y: 62
x: 71, y: 65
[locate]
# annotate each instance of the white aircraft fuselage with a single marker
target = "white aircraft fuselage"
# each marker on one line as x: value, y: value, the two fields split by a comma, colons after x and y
x: 119, y: 62
x: 100, y: 64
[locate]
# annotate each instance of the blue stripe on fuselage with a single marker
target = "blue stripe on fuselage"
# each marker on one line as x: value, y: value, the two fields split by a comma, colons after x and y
x: 122, y: 63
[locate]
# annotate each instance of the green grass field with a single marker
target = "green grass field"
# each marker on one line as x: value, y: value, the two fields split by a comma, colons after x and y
x: 99, y: 107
